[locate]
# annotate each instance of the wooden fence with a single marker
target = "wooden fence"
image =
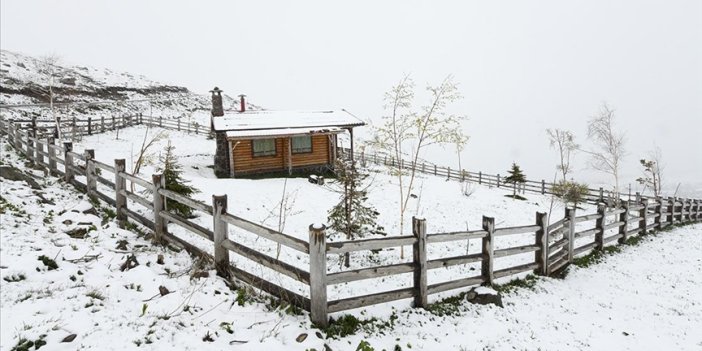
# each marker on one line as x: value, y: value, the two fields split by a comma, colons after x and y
x: 593, y: 196
x: 73, y: 128
x: 550, y: 248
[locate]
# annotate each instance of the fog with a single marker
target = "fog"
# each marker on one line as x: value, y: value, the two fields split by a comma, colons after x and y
x: 522, y: 66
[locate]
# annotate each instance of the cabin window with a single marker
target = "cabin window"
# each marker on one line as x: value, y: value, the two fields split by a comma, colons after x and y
x: 301, y: 144
x: 263, y: 147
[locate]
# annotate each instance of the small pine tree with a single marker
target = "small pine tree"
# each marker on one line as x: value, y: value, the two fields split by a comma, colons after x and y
x: 570, y: 192
x: 172, y: 172
x: 352, y: 216
x: 516, y: 177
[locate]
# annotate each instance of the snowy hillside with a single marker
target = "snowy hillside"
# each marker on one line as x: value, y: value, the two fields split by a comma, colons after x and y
x: 26, y: 80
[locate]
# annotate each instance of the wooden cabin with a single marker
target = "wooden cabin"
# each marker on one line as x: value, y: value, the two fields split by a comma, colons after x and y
x: 277, y: 142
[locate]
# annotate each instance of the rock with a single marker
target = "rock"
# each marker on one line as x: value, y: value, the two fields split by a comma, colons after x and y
x: 163, y: 290
x: 69, y: 338
x: 78, y: 233
x: 12, y: 173
x: 301, y: 337
x: 68, y: 81
x: 159, y: 260
x: 67, y: 222
x: 91, y: 211
x: 484, y: 296
x: 201, y: 274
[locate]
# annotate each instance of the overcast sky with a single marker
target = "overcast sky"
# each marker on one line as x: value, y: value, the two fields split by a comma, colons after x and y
x: 523, y: 66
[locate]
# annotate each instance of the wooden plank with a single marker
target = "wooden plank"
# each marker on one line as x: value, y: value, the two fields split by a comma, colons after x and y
x: 371, y: 299
x: 186, y: 201
x: 419, y: 258
x: 104, y: 181
x: 220, y: 230
x: 453, y: 261
x: 487, y: 263
x: 139, y: 218
x: 555, y: 256
x: 271, y: 288
x: 370, y: 273
x: 105, y: 198
x: 190, y: 226
x: 267, y: 261
x: 558, y: 265
x: 614, y: 225
x: 141, y: 182
x: 455, y: 236
x: 542, y: 235
x: 104, y: 166
x: 455, y: 284
x: 318, y: 275
x: 587, y: 217
x: 270, y: 234
x: 599, y: 224
x: 585, y: 233
x: 585, y: 248
x: 558, y: 245
x: 500, y: 273
x: 633, y: 231
x: 556, y: 225
x: 515, y: 250
x: 517, y: 230
x: 136, y: 198
x: 612, y: 238
x: 369, y: 244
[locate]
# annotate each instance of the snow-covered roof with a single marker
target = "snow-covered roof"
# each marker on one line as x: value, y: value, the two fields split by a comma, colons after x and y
x: 259, y: 120
x: 281, y: 132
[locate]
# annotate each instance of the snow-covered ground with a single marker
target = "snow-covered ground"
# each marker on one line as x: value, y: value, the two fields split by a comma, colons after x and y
x: 646, y: 297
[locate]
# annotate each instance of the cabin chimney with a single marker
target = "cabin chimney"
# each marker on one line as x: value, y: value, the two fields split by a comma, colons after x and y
x: 242, y: 101
x: 217, y: 108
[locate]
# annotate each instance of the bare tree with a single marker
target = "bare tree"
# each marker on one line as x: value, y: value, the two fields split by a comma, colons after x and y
x: 48, y: 65
x: 406, y: 131
x: 564, y: 142
x: 609, y: 150
x: 652, y: 169
x: 144, y: 157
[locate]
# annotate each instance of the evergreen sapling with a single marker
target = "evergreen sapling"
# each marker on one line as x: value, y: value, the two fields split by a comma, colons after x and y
x: 172, y: 172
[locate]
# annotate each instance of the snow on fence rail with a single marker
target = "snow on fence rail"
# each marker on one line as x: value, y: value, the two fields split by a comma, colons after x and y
x: 553, y: 246
x: 543, y: 187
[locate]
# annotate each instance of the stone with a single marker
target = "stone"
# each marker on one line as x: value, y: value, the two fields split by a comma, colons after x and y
x: 12, y: 173
x: 484, y: 296
x: 69, y: 338
x: 301, y: 337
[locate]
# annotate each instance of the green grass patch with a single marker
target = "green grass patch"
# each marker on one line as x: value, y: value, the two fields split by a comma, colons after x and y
x: 595, y: 257
x: 48, y: 262
x: 350, y: 325
x: 528, y: 282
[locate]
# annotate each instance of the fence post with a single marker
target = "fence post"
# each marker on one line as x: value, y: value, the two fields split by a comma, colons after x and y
x: 463, y: 175
x: 448, y: 172
x: 570, y: 214
x: 543, y: 186
x: 659, y: 212
x: 697, y: 210
x: 318, y: 275
x: 68, y: 162
x: 498, y: 180
x: 160, y: 225
x: 671, y: 211
x: 601, y: 194
x: 179, y: 124
x: 50, y: 140
x: 435, y: 170
x: 541, y: 255
x: 419, y: 253
x: 10, y: 133
x: 38, y: 149
x: 90, y: 176
x: 480, y: 177
x: 75, y: 126
x: 120, y: 188
x: 424, y: 167
x: 30, y: 148
x: 114, y: 123
x: 487, y: 265
x: 599, y: 225
x: 624, y: 229
x: 18, y: 138
x: 643, y: 214
x: 160, y: 121
x: 221, y: 233
x: 687, y: 202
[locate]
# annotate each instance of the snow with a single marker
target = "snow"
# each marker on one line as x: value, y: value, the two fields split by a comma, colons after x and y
x: 282, y: 132
x: 646, y: 297
x: 285, y: 119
